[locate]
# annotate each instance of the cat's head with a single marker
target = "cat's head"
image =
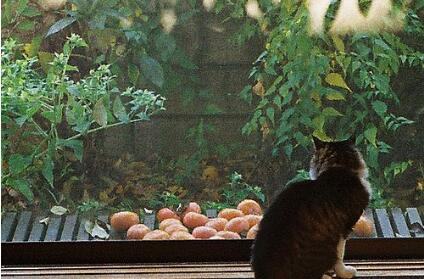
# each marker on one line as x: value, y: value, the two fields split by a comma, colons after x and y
x: 337, y: 154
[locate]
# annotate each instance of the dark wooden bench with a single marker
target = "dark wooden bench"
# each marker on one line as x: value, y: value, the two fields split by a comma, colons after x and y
x: 63, y: 248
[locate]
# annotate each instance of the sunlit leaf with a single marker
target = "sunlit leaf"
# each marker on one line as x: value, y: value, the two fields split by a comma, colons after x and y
x: 60, y: 25
x: 371, y: 135
x: 330, y: 111
x: 336, y: 79
x: 44, y: 58
x: 338, y: 43
x: 321, y: 135
x: 335, y: 96
x: 58, y: 210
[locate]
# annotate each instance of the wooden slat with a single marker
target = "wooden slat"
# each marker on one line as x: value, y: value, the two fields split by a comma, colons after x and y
x: 211, y: 213
x: 37, y: 229
x: 149, y: 220
x: 415, y: 220
x: 81, y: 233
x: 383, y: 223
x: 242, y: 270
x: 23, y: 226
x: 8, y: 222
x: 69, y: 228
x: 52, y: 233
x: 368, y: 214
x: 399, y: 223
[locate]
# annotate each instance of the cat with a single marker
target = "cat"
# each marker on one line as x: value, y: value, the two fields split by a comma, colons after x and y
x: 303, y: 233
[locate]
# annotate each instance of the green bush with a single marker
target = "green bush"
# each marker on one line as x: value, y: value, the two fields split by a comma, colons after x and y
x: 328, y: 86
x: 45, y: 117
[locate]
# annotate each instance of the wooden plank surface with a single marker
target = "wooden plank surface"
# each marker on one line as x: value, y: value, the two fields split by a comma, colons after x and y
x: 415, y: 222
x: 69, y: 228
x: 149, y: 220
x: 211, y: 213
x: 8, y: 222
x: 81, y: 233
x: 399, y: 223
x: 23, y: 227
x: 37, y: 229
x: 53, y: 229
x: 366, y: 269
x: 383, y: 223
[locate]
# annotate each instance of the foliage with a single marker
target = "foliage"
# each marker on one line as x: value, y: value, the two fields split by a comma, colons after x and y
x: 45, y: 118
x: 90, y: 209
x: 328, y: 86
x: 127, y: 34
x: 237, y: 191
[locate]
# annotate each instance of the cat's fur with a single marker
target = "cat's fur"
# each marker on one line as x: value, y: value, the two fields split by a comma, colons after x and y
x: 303, y: 232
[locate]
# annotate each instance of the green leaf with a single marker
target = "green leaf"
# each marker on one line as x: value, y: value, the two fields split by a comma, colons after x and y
x: 60, y: 25
x: 17, y: 163
x: 270, y: 114
x: 372, y: 156
x: 49, y: 115
x: 23, y: 187
x: 76, y: 145
x: 44, y: 58
x: 379, y: 107
x: 152, y: 70
x: 321, y: 135
x: 338, y: 43
x: 278, y: 101
x: 100, y: 113
x: 335, y: 96
x: 330, y: 111
x: 58, y: 210
x: 26, y: 25
x: 165, y: 45
x: 47, y: 171
x: 119, y: 110
x: 133, y: 74
x: 371, y: 135
x: 336, y: 79
x: 318, y: 122
x: 31, y: 11
x: 22, y: 4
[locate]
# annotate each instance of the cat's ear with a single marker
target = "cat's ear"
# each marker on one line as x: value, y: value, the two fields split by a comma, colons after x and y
x: 318, y: 143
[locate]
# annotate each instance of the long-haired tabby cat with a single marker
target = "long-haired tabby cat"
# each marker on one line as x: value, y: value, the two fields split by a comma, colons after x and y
x: 303, y: 233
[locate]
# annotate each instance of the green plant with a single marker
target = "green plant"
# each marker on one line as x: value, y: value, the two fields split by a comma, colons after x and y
x: 165, y: 199
x: 45, y: 118
x: 329, y: 86
x: 90, y: 209
x: 236, y: 191
x: 132, y: 37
